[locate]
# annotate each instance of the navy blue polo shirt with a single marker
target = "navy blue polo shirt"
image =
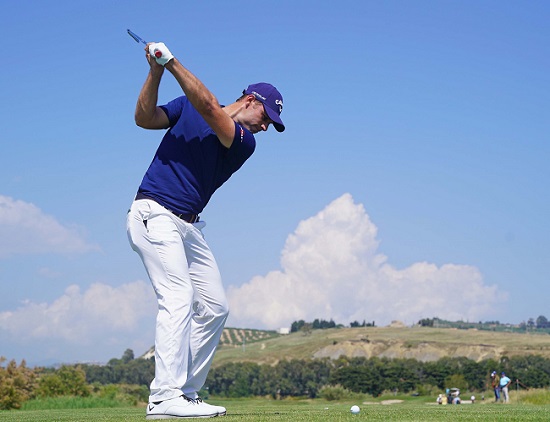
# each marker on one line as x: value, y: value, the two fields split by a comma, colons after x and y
x: 191, y: 162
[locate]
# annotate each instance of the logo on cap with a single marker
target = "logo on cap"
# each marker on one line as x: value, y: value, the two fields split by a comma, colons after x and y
x: 258, y: 95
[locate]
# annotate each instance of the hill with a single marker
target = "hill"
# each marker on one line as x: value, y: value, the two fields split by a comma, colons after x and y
x: 233, y: 337
x: 420, y: 343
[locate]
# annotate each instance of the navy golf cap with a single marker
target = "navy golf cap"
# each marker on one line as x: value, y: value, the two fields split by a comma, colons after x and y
x: 271, y: 99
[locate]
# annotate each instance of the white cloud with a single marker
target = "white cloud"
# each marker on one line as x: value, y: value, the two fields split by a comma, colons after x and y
x: 98, y: 316
x: 27, y: 230
x: 331, y: 269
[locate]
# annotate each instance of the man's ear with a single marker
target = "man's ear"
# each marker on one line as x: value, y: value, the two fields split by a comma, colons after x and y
x: 249, y: 100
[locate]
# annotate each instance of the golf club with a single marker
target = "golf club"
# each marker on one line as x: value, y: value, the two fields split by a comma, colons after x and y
x: 138, y: 39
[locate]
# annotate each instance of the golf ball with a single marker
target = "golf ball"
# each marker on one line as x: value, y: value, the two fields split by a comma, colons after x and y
x: 355, y: 409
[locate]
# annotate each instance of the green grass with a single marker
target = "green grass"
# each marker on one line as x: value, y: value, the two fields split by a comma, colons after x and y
x: 249, y: 410
x: 537, y: 396
x: 72, y: 403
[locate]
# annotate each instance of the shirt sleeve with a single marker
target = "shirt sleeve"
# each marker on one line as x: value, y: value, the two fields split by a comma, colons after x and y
x: 242, y: 148
x: 174, y: 108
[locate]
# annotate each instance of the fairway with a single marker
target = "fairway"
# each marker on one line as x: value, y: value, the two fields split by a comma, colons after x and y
x: 308, y: 410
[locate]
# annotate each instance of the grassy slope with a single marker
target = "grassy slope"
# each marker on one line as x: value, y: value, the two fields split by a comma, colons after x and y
x: 418, y: 342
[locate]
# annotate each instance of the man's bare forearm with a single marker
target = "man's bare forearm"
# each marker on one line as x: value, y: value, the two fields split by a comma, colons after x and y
x: 146, y: 107
x: 204, y: 102
x: 198, y: 94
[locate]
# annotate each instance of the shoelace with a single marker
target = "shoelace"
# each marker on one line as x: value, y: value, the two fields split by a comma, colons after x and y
x: 189, y: 399
x: 198, y: 400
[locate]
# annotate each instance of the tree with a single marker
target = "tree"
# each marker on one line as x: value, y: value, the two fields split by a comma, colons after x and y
x: 51, y: 385
x: 305, y: 378
x: 364, y: 378
x: 456, y: 381
x: 426, y: 322
x: 128, y: 356
x: 436, y: 372
x: 532, y: 371
x: 542, y: 322
x: 66, y: 381
x: 16, y: 384
x: 296, y: 325
x: 401, y: 374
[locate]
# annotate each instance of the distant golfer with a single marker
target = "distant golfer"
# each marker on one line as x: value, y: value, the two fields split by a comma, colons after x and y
x: 204, y: 145
x: 495, y: 385
x: 504, y: 384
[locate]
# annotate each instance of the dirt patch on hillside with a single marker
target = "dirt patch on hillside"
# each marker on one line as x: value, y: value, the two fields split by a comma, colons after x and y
x: 394, y: 349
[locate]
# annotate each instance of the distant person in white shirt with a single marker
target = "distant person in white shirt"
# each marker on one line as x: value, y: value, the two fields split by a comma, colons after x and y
x: 504, y: 383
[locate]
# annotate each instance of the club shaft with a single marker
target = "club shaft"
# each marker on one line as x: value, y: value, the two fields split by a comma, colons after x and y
x: 136, y: 37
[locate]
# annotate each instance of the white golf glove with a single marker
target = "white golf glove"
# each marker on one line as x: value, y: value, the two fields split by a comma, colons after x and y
x: 164, y: 57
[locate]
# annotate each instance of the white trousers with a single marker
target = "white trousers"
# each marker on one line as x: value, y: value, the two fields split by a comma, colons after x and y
x: 504, y: 394
x: 192, y: 306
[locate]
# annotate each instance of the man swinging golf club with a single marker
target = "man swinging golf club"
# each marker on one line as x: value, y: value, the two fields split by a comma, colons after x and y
x: 205, y: 143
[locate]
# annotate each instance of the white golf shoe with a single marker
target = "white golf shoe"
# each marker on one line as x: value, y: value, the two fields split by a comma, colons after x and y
x: 210, y: 407
x: 180, y: 407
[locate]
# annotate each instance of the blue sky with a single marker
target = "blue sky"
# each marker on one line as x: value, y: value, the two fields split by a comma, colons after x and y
x: 411, y: 182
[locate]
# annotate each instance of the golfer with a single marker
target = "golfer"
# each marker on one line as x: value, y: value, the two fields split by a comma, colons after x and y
x: 504, y: 384
x: 495, y: 384
x: 205, y: 143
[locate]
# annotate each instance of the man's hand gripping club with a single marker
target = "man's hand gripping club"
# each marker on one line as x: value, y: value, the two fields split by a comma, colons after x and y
x: 160, y: 52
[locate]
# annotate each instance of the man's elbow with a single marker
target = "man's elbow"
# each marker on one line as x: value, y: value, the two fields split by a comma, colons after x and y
x: 146, y: 122
x: 140, y: 121
x: 156, y: 120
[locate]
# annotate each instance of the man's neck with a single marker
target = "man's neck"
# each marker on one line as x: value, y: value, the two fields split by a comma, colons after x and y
x: 234, y: 109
